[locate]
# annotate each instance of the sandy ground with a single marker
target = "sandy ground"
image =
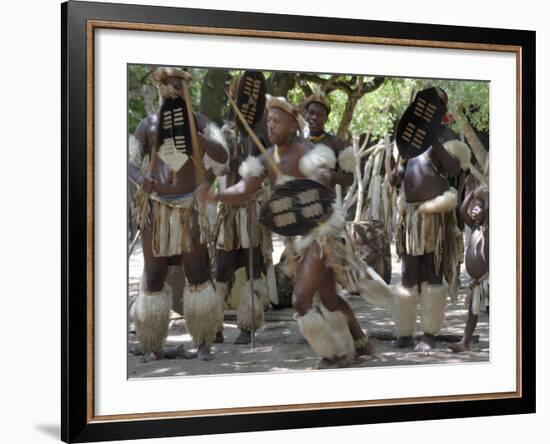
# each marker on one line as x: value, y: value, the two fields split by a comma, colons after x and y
x: 281, y: 347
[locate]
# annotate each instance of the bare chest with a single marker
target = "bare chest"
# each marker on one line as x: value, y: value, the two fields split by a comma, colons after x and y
x: 422, y: 180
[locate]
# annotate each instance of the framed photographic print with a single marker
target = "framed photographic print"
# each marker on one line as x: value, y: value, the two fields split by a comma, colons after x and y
x: 275, y: 222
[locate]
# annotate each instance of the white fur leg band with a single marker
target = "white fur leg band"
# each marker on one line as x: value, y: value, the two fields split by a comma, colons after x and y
x: 248, y: 319
x: 203, y: 311
x: 327, y: 333
x: 152, y: 315
x: 432, y: 307
x: 405, y: 301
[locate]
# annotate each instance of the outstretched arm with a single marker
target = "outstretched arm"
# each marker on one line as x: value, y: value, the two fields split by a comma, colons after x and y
x: 344, y: 179
x: 238, y: 193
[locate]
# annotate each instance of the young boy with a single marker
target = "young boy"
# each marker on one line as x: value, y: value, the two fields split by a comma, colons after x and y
x: 475, y: 211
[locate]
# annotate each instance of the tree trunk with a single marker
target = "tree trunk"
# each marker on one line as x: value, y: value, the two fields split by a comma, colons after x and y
x: 213, y: 100
x: 280, y: 83
x: 478, y: 149
x: 347, y: 115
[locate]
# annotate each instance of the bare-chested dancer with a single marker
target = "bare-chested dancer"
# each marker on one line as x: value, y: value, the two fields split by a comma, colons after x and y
x: 475, y: 211
x: 317, y: 110
x: 427, y: 239
x: 235, y: 236
x: 330, y: 327
x: 173, y: 229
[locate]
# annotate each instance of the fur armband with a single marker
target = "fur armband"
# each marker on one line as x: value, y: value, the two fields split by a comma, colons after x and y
x: 460, y: 151
x: 319, y: 157
x: 346, y: 160
x: 251, y: 167
x: 214, y: 134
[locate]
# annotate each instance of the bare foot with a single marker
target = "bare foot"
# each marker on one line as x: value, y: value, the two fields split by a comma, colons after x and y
x: 219, y: 338
x: 366, y: 349
x: 244, y: 338
x: 426, y: 344
x: 178, y: 352
x: 458, y: 347
x: 204, y: 353
x: 402, y: 342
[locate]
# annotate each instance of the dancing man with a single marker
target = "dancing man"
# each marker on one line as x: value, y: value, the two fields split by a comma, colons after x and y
x: 173, y: 228
x: 427, y: 238
x: 328, y: 323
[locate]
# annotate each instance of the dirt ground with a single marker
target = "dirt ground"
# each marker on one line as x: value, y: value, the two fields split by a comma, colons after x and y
x: 280, y: 347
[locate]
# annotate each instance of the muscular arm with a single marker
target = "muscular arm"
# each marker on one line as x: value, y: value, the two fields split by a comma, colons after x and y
x: 214, y: 149
x: 344, y: 179
x: 450, y: 163
x: 240, y: 192
x: 136, y: 155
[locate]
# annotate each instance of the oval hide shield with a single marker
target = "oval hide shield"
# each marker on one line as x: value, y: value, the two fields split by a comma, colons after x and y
x: 251, y: 97
x: 296, y: 207
x: 420, y: 124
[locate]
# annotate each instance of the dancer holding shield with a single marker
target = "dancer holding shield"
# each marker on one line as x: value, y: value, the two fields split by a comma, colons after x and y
x: 175, y: 148
x: 328, y: 323
x: 427, y: 237
x: 240, y: 240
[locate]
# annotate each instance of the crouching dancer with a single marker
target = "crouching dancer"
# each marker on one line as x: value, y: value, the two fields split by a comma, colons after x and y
x: 328, y: 323
x: 171, y: 224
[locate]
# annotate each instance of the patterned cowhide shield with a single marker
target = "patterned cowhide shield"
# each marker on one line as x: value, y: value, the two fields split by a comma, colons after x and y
x: 296, y: 207
x: 420, y: 124
x: 174, y: 133
x: 251, y: 97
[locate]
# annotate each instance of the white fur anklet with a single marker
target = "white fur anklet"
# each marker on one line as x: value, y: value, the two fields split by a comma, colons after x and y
x: 152, y: 315
x: 203, y: 311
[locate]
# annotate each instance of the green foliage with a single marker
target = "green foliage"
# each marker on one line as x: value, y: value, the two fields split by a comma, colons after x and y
x: 376, y: 112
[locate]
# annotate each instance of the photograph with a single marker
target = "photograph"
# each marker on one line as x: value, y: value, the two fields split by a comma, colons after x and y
x: 282, y: 222
x: 293, y: 221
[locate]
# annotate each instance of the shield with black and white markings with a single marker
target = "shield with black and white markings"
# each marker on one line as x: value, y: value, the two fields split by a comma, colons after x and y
x: 251, y: 97
x: 420, y: 125
x: 296, y: 207
x: 174, y: 133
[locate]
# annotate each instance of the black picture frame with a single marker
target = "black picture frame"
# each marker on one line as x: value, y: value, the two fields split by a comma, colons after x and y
x: 78, y: 423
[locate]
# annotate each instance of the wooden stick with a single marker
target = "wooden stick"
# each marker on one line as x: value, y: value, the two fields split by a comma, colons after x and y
x: 253, y: 136
x: 199, y: 168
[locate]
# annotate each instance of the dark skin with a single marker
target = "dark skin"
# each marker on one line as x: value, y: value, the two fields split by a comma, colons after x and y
x: 424, y: 177
x: 475, y: 211
x: 163, y: 181
x: 229, y: 261
x: 313, y: 276
x: 316, y: 116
